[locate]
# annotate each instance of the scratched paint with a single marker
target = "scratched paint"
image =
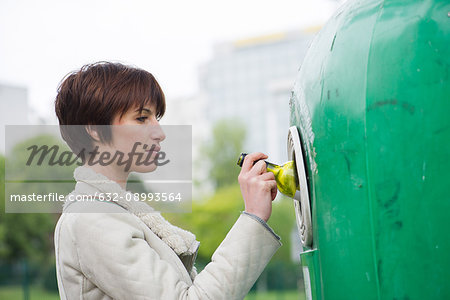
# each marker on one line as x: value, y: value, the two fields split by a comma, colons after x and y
x: 304, y: 123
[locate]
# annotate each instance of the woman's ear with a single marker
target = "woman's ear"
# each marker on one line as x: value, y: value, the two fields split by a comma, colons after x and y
x: 92, y: 131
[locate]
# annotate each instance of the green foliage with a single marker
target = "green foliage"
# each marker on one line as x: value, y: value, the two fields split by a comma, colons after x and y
x: 49, y: 281
x: 282, y: 221
x: 4, y: 249
x: 223, y: 151
x: 39, y: 179
x: 24, y: 235
x: 29, y: 236
x: 18, y: 169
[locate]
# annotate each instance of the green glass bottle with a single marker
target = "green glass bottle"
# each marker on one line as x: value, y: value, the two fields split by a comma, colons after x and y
x: 285, y: 175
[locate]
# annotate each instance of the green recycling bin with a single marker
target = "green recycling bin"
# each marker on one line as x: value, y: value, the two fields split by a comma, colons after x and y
x: 370, y: 117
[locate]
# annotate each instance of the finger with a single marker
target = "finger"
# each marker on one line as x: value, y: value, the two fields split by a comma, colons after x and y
x: 267, y: 176
x: 250, y: 159
x: 269, y: 185
x: 272, y: 184
x: 274, y: 193
x: 258, y: 169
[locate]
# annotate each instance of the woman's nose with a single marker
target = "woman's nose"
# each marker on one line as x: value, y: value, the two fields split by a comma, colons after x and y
x: 157, y: 133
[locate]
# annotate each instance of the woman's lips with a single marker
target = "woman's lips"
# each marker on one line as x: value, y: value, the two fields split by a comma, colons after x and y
x: 153, y: 149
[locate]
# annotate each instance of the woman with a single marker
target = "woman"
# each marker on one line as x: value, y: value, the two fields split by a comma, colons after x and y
x: 123, y: 249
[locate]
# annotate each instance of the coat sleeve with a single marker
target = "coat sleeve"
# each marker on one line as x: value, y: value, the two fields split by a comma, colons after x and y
x: 114, y: 256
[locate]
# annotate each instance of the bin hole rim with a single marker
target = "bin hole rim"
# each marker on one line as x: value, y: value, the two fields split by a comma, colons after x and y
x: 302, y: 204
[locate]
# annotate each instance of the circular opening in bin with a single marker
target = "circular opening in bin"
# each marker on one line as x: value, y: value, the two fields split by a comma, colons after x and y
x: 302, y: 204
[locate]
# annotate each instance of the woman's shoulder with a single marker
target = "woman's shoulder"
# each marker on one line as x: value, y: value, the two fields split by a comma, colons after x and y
x: 90, y: 204
x: 81, y: 217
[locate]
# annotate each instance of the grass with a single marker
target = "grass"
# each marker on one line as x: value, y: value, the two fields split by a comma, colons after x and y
x: 277, y: 295
x: 36, y: 293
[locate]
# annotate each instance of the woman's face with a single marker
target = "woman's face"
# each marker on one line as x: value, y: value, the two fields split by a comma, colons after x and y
x: 139, y: 133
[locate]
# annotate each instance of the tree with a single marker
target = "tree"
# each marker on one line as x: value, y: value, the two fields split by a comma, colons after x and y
x: 29, y: 236
x: 222, y: 152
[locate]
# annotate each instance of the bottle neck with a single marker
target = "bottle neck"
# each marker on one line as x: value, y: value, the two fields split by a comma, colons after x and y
x: 274, y: 168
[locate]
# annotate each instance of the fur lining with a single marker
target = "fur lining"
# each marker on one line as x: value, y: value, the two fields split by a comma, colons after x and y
x: 181, y: 241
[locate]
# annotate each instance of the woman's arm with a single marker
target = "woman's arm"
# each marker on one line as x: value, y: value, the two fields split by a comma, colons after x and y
x: 114, y: 255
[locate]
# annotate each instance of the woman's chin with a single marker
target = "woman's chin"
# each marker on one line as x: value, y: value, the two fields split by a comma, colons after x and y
x: 145, y: 169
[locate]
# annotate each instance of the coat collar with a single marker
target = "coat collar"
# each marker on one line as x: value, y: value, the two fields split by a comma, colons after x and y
x: 183, y: 242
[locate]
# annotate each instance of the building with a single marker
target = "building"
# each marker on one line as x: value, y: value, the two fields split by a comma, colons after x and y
x: 14, y: 109
x: 190, y: 110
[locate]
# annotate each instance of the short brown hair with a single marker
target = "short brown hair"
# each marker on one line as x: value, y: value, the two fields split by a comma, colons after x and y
x: 98, y: 92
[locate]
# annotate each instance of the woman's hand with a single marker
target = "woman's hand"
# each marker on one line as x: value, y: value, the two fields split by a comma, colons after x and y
x: 258, y: 187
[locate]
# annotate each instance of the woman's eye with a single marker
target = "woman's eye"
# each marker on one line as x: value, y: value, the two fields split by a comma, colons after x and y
x: 141, y: 119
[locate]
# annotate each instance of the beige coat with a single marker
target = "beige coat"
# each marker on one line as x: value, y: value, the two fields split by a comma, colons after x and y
x: 104, y: 251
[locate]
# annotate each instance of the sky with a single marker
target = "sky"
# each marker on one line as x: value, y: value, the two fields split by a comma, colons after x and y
x: 42, y: 41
